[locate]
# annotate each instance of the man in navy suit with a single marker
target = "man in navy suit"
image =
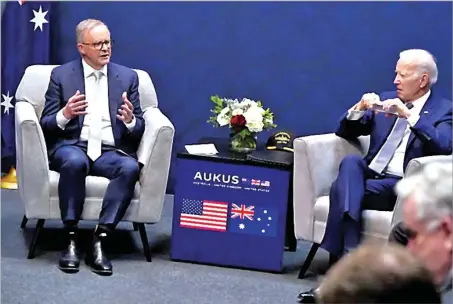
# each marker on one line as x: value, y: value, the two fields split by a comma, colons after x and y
x: 92, y: 123
x: 420, y: 126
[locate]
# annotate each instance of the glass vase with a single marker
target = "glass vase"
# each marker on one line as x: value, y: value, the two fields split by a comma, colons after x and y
x: 242, y: 144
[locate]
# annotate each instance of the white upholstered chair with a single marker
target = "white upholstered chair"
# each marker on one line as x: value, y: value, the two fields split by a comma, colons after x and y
x: 316, y: 163
x: 38, y: 186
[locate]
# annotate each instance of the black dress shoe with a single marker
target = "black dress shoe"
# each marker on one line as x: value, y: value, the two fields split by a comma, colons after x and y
x: 69, y: 261
x: 98, y: 261
x: 307, y: 296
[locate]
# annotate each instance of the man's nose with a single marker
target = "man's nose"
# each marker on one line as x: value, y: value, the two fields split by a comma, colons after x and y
x: 396, y: 80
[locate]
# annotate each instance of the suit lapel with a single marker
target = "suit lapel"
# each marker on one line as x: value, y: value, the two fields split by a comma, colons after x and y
x: 426, y: 113
x: 79, y: 84
x: 114, y: 96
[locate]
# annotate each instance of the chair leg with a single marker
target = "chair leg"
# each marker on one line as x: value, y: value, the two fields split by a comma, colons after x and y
x: 24, y: 222
x: 144, y: 238
x: 135, y: 226
x: 308, y: 260
x: 34, y: 241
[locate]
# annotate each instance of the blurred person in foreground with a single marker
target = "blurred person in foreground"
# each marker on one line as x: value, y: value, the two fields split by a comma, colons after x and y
x: 427, y: 218
x: 427, y: 215
x: 421, y: 126
x: 92, y: 123
x: 379, y: 274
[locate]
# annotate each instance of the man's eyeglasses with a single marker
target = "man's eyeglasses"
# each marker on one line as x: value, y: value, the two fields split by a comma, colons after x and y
x: 100, y: 44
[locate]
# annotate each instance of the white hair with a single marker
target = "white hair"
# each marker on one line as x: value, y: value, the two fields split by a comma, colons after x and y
x: 86, y: 25
x: 431, y: 190
x: 424, y: 60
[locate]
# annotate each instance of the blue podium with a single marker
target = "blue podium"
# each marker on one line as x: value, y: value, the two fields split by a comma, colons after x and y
x: 230, y: 211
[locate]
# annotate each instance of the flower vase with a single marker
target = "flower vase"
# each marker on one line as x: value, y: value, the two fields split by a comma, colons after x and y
x: 242, y: 143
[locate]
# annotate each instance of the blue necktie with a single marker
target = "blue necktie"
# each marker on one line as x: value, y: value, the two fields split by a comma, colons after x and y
x: 382, y: 159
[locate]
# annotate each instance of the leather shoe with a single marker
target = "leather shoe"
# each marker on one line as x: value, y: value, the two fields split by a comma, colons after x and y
x: 98, y: 261
x: 69, y: 261
x: 307, y: 296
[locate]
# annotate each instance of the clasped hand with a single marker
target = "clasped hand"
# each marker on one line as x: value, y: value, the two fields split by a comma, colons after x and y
x: 370, y: 101
x: 77, y: 106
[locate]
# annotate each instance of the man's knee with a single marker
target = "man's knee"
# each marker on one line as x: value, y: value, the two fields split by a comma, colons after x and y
x: 75, y: 162
x: 352, y: 159
x: 130, y: 169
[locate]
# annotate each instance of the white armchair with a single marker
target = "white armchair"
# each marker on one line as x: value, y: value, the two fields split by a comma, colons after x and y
x: 316, y: 163
x: 38, y: 186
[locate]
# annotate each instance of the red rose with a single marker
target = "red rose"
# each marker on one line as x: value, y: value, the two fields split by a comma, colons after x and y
x: 238, y: 123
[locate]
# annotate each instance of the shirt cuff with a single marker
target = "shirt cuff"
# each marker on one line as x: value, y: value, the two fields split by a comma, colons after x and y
x: 355, y: 115
x: 131, y: 125
x: 412, y: 120
x: 61, y: 120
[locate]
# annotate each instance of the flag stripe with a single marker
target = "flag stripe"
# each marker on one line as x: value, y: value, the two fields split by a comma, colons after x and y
x: 205, y: 228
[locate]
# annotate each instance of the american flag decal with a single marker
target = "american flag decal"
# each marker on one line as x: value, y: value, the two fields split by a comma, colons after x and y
x: 204, y: 215
x: 242, y: 212
x: 255, y: 182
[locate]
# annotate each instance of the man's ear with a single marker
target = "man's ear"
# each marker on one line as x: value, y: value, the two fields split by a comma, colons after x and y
x: 424, y: 80
x: 80, y: 48
x: 447, y: 227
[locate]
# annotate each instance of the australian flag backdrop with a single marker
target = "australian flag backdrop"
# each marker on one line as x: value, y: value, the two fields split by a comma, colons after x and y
x: 25, y: 41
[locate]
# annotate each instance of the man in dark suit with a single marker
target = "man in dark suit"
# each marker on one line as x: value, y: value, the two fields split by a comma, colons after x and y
x: 420, y: 126
x: 92, y: 123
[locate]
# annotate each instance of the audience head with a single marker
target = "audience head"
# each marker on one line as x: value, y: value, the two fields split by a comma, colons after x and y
x: 375, y: 273
x: 94, y: 43
x: 427, y: 215
x: 416, y: 72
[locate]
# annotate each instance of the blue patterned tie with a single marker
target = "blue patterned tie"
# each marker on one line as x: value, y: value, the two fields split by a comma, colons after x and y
x: 384, y: 156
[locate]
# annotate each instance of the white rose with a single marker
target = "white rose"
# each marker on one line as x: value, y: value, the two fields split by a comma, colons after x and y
x: 237, y: 112
x: 255, y: 126
x: 248, y: 102
x: 254, y: 119
x: 255, y: 111
x: 223, y: 118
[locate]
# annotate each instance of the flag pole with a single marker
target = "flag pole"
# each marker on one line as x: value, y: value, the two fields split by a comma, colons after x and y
x: 9, y: 181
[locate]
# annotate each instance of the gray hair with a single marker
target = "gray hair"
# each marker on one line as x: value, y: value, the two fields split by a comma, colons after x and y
x: 431, y: 190
x: 424, y: 60
x: 86, y: 25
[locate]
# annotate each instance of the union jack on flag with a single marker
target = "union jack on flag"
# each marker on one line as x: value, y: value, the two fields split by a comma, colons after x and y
x: 256, y: 182
x: 242, y: 212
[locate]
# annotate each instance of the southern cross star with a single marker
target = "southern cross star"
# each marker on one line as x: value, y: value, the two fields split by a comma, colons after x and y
x: 39, y: 19
x: 7, y: 102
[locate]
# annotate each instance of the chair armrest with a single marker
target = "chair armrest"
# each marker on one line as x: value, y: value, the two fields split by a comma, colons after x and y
x: 32, y: 162
x: 413, y: 166
x: 154, y: 153
x: 316, y: 162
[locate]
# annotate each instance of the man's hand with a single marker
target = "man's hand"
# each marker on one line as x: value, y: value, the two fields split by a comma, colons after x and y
x: 397, y: 106
x: 125, y: 112
x: 366, y: 102
x: 75, y: 106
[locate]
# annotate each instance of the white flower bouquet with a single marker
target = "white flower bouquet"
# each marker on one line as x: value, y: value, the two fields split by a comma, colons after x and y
x: 245, y: 118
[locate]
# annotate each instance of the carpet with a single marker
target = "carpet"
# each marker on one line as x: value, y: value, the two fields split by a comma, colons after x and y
x: 134, y: 280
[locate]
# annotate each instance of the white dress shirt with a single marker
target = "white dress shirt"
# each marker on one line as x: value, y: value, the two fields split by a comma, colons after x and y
x: 104, y: 108
x: 395, y: 165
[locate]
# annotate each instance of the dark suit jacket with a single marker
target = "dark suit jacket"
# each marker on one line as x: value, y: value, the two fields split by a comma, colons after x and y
x: 431, y: 135
x: 65, y: 80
